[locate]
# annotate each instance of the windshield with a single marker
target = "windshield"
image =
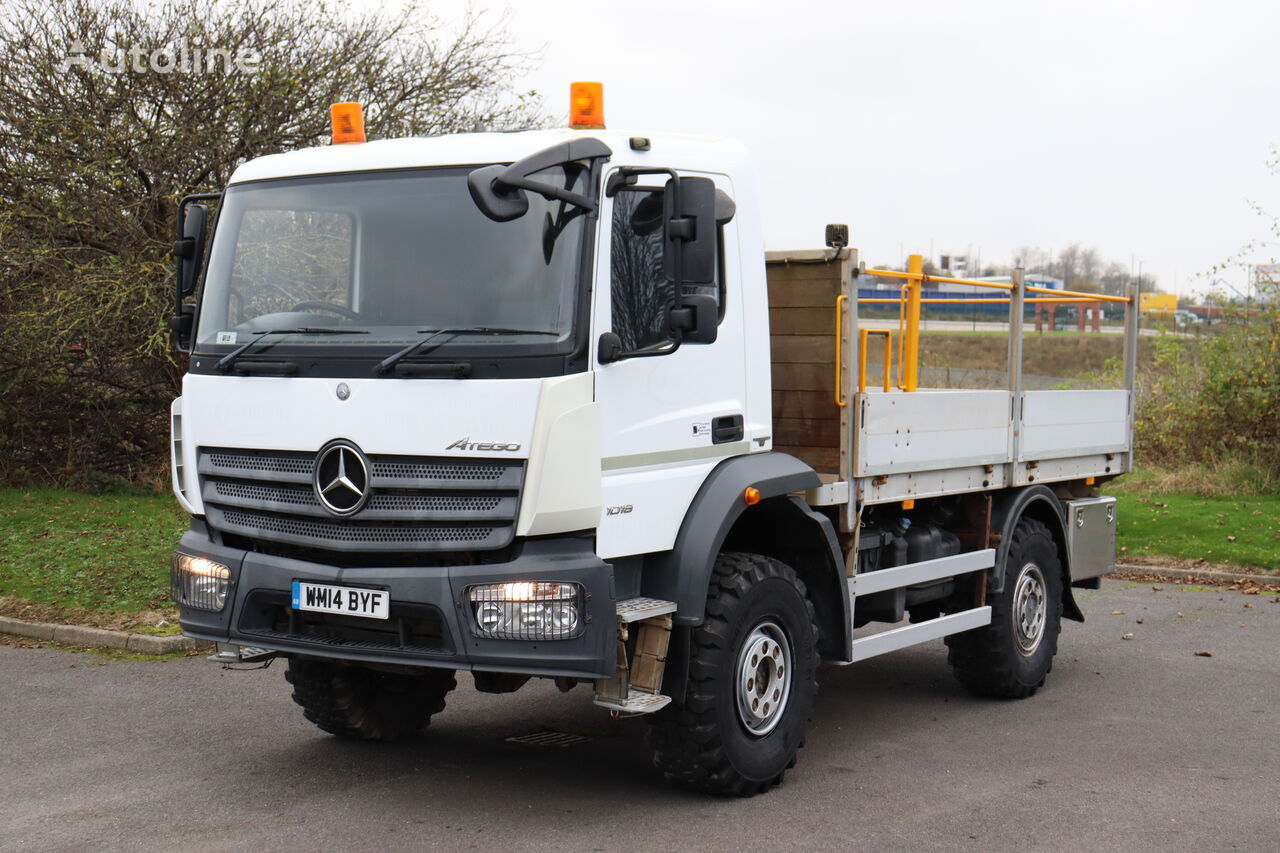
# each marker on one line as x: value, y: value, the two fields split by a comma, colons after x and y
x: 396, y: 255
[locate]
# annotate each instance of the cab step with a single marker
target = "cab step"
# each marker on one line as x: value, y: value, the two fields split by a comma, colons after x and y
x: 636, y: 609
x: 637, y: 702
x: 231, y: 653
x: 634, y: 687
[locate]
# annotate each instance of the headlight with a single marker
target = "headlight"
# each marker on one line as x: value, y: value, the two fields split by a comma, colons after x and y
x: 527, y: 610
x: 199, y: 583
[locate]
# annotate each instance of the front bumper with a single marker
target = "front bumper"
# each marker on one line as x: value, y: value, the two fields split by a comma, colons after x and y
x: 431, y: 622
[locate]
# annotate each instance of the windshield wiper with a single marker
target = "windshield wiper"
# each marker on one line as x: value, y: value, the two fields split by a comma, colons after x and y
x: 224, y: 363
x: 420, y: 348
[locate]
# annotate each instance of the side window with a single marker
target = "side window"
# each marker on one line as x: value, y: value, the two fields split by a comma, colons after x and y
x: 641, y: 292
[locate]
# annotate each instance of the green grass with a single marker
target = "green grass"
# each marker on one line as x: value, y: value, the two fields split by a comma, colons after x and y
x: 106, y: 553
x: 1239, y: 531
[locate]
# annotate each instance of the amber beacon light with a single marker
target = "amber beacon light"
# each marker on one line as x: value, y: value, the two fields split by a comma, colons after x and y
x: 348, y: 123
x: 586, y: 106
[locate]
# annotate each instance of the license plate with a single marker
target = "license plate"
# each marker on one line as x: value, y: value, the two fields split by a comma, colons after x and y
x: 371, y: 603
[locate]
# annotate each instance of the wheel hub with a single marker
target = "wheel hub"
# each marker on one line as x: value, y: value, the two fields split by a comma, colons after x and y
x: 1030, y: 608
x: 763, y: 678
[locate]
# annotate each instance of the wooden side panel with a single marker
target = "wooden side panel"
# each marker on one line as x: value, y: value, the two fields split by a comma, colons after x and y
x: 806, y: 419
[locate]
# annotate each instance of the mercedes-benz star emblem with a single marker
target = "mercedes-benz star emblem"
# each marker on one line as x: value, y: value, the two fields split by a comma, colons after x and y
x: 343, y: 391
x: 341, y: 478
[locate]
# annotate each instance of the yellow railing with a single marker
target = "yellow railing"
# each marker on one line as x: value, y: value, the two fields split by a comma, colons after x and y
x: 999, y: 300
x: 840, y: 301
x: 909, y: 301
x: 863, y: 335
x: 923, y: 278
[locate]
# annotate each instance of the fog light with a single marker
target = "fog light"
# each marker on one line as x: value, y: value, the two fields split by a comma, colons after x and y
x: 527, y: 610
x: 199, y: 583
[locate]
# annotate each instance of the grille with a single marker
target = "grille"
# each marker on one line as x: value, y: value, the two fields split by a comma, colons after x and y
x: 340, y: 532
x: 432, y: 471
x: 303, y: 499
x: 437, y: 503
x: 252, y: 492
x: 416, y: 504
x: 279, y: 463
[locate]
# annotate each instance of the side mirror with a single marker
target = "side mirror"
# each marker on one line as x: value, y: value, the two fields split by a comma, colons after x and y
x: 188, y: 249
x: 691, y: 234
x: 696, y: 320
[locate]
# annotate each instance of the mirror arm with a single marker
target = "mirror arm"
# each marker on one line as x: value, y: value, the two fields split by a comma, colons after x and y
x: 547, y: 191
x: 182, y: 209
x: 500, y: 191
x: 606, y: 348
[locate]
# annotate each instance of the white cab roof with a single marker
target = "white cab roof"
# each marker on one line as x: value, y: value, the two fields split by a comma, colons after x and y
x: 463, y: 149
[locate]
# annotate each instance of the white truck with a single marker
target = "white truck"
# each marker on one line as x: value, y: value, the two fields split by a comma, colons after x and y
x: 539, y: 405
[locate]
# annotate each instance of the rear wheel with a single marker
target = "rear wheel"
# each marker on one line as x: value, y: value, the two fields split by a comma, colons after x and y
x: 752, y: 681
x: 367, y: 704
x: 1010, y: 658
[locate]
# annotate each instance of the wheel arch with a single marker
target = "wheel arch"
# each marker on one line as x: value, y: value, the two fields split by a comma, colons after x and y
x: 1040, y: 503
x: 719, y: 519
x: 789, y: 530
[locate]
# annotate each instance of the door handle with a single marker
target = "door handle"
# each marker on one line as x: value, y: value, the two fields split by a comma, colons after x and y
x: 725, y: 429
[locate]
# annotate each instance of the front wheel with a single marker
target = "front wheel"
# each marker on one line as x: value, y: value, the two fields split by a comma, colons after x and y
x: 367, y: 704
x: 1010, y: 658
x: 752, y: 681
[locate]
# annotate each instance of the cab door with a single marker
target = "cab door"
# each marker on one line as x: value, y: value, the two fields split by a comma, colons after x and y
x: 667, y: 418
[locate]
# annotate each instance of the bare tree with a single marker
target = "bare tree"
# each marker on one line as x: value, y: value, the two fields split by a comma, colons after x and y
x: 1069, y: 264
x: 1090, y: 265
x: 109, y: 112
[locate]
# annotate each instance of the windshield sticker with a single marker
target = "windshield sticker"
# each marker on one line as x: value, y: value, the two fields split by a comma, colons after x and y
x: 226, y: 337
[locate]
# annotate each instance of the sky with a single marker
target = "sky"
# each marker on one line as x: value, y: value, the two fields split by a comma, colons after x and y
x: 1140, y: 128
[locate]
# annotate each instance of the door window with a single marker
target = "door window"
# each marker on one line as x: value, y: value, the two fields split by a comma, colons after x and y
x: 641, y: 292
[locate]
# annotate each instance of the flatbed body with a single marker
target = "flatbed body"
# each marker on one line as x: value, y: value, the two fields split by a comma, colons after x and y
x: 893, y: 445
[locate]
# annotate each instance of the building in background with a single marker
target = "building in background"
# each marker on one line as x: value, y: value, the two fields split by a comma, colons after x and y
x: 1158, y: 306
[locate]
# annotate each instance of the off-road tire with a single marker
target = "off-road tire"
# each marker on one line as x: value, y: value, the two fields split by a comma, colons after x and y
x: 366, y: 704
x: 701, y: 740
x: 988, y: 661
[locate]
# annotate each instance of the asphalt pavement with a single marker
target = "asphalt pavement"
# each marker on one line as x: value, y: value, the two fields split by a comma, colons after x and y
x: 1134, y: 745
